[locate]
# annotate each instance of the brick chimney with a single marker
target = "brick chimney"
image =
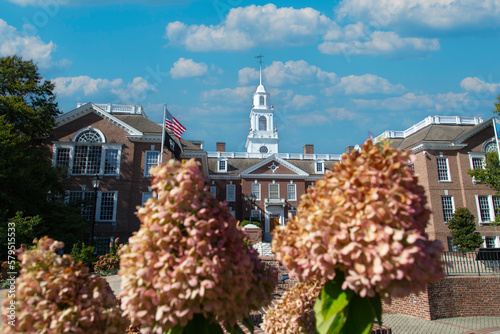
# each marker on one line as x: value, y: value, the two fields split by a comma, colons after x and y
x: 221, y: 147
x: 308, y: 149
x: 349, y: 149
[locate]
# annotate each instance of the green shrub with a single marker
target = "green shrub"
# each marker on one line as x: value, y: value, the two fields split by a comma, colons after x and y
x: 84, y: 254
x: 246, y: 221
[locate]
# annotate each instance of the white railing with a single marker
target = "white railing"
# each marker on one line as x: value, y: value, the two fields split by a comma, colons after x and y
x: 117, y: 108
x: 285, y: 156
x: 453, y: 120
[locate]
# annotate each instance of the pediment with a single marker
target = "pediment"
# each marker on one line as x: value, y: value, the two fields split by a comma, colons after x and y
x: 92, y: 108
x: 275, y: 167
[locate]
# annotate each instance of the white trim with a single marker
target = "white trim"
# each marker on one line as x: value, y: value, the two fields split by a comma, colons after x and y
x: 448, y: 179
x: 452, y: 206
x: 223, y: 170
x: 89, y: 128
x: 99, y: 204
x: 257, y: 193
x: 269, y: 189
x: 294, y: 186
x: 273, y: 158
x: 146, y: 171
x: 319, y: 162
x: 491, y: 209
x: 213, y: 191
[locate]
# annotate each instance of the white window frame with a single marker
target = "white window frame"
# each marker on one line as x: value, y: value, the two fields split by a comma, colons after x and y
x: 443, y: 208
x: 99, y: 205
x: 491, y: 208
x: 495, y: 238
x: 448, y: 178
x: 146, y: 169
x: 292, y: 212
x: 318, y: 163
x: 213, y: 191
x: 256, y: 190
x: 476, y: 155
x: 278, y: 191
x: 219, y: 161
x: 104, y: 148
x: 230, y: 192
x: 293, y: 187
x: 232, y: 211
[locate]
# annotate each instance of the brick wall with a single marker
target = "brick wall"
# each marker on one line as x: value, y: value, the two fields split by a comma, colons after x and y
x: 452, y: 297
x: 254, y: 235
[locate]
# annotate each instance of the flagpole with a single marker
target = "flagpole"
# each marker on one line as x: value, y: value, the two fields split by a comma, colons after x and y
x: 163, y: 132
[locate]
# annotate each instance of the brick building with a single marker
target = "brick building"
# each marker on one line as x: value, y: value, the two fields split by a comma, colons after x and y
x: 446, y: 147
x: 119, y: 144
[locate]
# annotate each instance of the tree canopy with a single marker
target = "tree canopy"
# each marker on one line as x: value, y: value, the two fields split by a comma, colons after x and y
x: 27, y: 177
x: 490, y: 174
x: 463, y: 229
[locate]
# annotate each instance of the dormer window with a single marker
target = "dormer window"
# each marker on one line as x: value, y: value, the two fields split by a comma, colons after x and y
x: 319, y: 167
x: 222, y: 165
x: 261, y: 100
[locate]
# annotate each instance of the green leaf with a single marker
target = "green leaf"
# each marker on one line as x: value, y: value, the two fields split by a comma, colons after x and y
x: 377, y: 307
x: 200, y: 325
x: 330, y: 305
x: 248, y: 323
x: 176, y: 330
x: 360, y: 316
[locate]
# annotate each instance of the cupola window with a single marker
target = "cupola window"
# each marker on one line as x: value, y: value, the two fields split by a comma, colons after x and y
x: 262, y: 123
x: 261, y: 100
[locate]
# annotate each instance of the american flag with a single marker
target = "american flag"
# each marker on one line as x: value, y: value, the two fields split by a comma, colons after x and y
x: 174, y: 125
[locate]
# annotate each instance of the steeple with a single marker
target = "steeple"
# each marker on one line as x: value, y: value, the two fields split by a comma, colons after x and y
x: 263, y: 135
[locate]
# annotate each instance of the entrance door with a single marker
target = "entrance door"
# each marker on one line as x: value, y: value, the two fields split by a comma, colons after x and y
x: 273, y: 222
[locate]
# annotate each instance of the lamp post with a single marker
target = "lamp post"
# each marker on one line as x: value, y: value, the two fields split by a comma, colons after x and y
x: 95, y: 184
x: 250, y: 199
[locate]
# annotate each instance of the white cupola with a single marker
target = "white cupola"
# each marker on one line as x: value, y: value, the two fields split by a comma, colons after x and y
x: 263, y: 134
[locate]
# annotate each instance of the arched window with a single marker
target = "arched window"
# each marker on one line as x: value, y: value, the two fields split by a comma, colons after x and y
x: 262, y: 123
x: 89, y: 136
x: 261, y: 100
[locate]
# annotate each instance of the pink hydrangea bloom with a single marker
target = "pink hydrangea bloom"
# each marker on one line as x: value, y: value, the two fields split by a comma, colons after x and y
x: 56, y: 295
x: 189, y: 257
x: 367, y: 218
x: 293, y: 313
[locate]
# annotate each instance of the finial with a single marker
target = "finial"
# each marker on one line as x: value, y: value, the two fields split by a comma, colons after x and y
x: 260, y: 68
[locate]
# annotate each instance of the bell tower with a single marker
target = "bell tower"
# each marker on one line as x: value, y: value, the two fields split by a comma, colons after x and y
x: 263, y: 134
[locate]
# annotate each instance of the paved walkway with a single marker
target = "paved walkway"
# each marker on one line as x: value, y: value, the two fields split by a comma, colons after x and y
x: 403, y: 324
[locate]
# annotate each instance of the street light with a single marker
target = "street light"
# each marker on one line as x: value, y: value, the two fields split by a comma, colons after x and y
x: 95, y: 184
x: 250, y: 199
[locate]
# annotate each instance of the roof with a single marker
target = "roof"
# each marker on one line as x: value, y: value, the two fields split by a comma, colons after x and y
x: 237, y: 165
x: 141, y: 123
x: 435, y: 133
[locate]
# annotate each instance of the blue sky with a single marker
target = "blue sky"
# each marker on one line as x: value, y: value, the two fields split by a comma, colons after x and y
x: 337, y: 70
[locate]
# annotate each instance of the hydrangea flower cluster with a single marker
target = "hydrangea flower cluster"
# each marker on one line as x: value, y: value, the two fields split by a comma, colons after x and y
x: 189, y: 257
x: 56, y: 295
x: 367, y: 218
x: 293, y: 313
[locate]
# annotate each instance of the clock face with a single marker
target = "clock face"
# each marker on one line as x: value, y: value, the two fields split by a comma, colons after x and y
x: 491, y: 147
x: 263, y: 149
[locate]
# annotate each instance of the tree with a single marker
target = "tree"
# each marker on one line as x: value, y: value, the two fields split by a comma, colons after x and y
x: 463, y: 229
x: 27, y: 116
x: 490, y: 174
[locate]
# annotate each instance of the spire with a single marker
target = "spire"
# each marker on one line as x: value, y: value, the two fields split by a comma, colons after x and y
x: 260, y: 68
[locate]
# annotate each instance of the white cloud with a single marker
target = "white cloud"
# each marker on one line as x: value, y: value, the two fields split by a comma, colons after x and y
x: 364, y: 84
x: 187, y: 68
x: 70, y: 85
x: 300, y: 101
x: 291, y: 72
x: 14, y: 42
x: 359, y: 39
x: 327, y: 116
x: 341, y: 114
x: 432, y: 103
x: 434, y: 14
x: 246, y: 27
x: 236, y: 95
x: 477, y: 85
x: 135, y: 91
